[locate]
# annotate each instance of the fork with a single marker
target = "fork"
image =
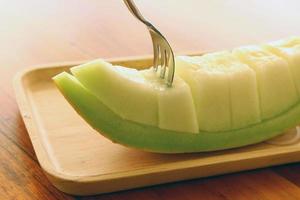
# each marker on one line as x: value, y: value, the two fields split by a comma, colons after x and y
x: 163, y: 53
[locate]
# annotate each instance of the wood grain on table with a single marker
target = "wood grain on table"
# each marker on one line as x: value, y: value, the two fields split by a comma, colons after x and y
x: 35, y: 32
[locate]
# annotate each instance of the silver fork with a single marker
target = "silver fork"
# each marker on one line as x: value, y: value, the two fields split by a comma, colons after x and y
x: 163, y: 53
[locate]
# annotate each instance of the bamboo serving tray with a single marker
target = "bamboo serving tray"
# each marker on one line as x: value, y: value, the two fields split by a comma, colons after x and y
x: 78, y: 160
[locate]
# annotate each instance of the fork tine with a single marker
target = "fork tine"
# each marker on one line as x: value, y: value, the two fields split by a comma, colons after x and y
x: 162, y: 50
x: 171, y: 68
x: 164, y: 63
x: 156, y: 52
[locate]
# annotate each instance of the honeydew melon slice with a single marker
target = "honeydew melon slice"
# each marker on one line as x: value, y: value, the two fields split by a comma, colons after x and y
x: 289, y: 49
x: 277, y: 91
x: 223, y: 88
x: 140, y: 96
x: 154, y: 139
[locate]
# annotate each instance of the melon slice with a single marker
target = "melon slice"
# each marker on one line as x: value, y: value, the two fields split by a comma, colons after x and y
x: 276, y: 87
x: 224, y: 90
x: 218, y: 101
x: 288, y: 49
x: 140, y: 96
x: 154, y: 139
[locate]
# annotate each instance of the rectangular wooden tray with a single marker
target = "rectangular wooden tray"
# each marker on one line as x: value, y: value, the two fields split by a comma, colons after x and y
x: 78, y: 160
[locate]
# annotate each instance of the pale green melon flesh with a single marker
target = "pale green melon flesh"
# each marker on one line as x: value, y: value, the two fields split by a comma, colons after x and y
x: 289, y: 49
x: 154, y: 139
x: 176, y: 108
x: 211, y: 96
x: 277, y: 91
x: 124, y: 90
x: 140, y: 96
x: 224, y: 90
x: 245, y: 107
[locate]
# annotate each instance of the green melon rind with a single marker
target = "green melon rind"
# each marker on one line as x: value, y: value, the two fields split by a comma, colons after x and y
x: 153, y: 139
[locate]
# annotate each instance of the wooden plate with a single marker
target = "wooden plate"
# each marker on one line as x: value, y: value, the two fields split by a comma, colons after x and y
x: 78, y: 160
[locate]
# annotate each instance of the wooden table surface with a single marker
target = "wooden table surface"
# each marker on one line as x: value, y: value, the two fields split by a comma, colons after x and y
x: 36, y: 32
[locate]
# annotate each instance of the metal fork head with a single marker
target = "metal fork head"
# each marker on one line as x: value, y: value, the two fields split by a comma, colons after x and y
x: 163, y: 53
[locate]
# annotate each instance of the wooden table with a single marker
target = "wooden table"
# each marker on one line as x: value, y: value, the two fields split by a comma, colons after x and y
x: 35, y: 32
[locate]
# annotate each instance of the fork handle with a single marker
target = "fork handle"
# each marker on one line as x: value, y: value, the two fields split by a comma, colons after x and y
x: 135, y: 11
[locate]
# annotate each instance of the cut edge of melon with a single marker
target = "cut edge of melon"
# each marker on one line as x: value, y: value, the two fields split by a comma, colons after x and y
x: 233, y: 69
x: 285, y: 95
x: 113, y: 84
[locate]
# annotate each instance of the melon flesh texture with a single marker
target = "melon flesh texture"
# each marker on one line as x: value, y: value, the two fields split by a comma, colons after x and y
x: 224, y: 90
x: 176, y: 108
x: 123, y: 90
x: 140, y: 96
x: 276, y: 88
x: 288, y: 49
x: 154, y: 139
